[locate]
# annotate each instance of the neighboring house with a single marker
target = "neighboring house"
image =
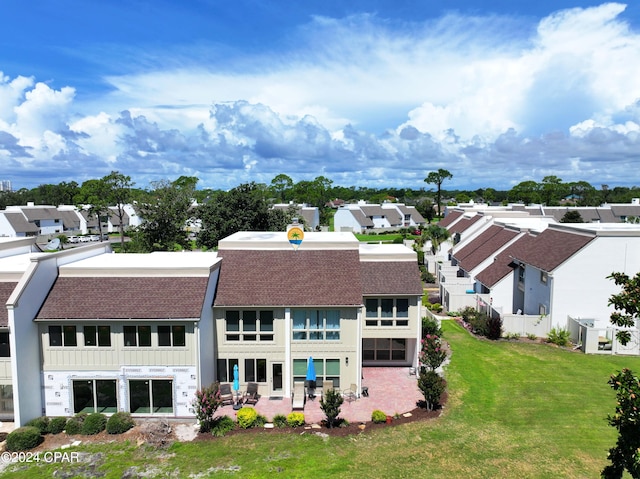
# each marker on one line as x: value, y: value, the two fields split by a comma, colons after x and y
x: 128, y: 333
x: 310, y: 215
x: 362, y: 217
x: 47, y: 219
x: 14, y: 224
x: 312, y: 305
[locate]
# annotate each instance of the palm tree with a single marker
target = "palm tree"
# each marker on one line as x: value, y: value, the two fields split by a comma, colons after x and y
x: 437, y: 235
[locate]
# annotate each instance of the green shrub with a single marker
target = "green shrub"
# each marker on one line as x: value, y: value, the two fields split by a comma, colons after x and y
x: 205, y: 404
x: 260, y: 421
x: 378, y: 416
x: 330, y: 405
x: 247, y: 417
x: 93, y: 424
x: 280, y: 420
x: 222, y: 425
x: 431, y: 326
x: 40, y: 423
x: 432, y: 386
x: 295, y: 419
x: 57, y: 425
x: 24, y: 438
x: 532, y: 336
x: 559, y: 337
x: 74, y: 425
x: 494, y: 327
x: 512, y: 336
x: 120, y: 423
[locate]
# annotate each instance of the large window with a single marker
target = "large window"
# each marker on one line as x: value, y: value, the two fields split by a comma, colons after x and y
x: 386, y: 312
x: 326, y: 370
x: 62, y: 336
x: 137, y: 336
x: 6, y: 399
x: 171, y: 335
x: 384, y: 349
x: 5, y: 351
x: 97, y: 336
x: 95, y: 395
x: 255, y: 370
x: 225, y: 369
x: 249, y: 325
x: 316, y: 325
x: 151, y: 396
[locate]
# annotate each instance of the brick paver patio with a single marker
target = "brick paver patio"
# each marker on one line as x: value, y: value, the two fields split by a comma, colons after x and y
x: 392, y: 390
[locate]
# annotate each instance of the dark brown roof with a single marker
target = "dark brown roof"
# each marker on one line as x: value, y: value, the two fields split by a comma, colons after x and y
x: 390, y: 278
x: 551, y: 248
x: 289, y: 278
x: 490, y: 241
x: 500, y: 268
x: 125, y: 298
x: 450, y: 218
x: 463, y: 224
x: 6, y: 288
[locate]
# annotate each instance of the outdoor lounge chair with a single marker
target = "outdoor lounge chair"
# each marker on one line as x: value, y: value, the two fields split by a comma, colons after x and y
x: 326, y: 386
x: 297, y: 401
x: 351, y: 394
x: 226, y: 396
x: 251, y: 396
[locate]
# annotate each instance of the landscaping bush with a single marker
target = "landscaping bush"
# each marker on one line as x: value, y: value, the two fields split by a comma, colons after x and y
x: 295, y: 419
x: 559, y: 337
x: 222, y: 425
x: 432, y: 386
x: 247, y: 417
x: 431, y: 326
x: 378, y: 416
x: 494, y: 328
x: 205, y: 404
x: 40, y: 423
x: 280, y: 420
x: 74, y: 425
x: 260, y: 421
x: 57, y: 425
x: 120, y: 423
x: 432, y: 354
x: 24, y: 438
x: 94, y: 424
x: 330, y: 405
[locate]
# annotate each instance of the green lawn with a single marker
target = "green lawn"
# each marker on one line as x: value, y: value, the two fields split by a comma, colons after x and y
x: 515, y: 410
x: 385, y: 238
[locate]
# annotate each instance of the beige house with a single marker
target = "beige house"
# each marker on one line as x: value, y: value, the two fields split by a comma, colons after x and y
x: 277, y: 307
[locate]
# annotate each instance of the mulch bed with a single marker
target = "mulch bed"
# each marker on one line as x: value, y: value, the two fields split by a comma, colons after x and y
x: 418, y: 414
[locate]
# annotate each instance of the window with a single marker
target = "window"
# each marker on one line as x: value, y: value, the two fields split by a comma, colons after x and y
x: 62, y: 336
x: 225, y: 369
x: 6, y: 399
x: 151, y: 396
x: 543, y: 277
x: 171, y: 335
x: 137, y: 336
x: 316, y: 325
x: 97, y: 336
x: 384, y: 349
x: 249, y: 325
x: 255, y: 370
x: 386, y: 312
x: 95, y: 395
x: 5, y: 351
x: 521, y: 273
x: 326, y: 370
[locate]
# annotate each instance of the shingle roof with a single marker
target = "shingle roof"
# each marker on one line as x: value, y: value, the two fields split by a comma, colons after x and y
x: 19, y: 223
x: 464, y: 224
x: 411, y: 210
x: 70, y: 219
x: 390, y: 278
x: 34, y: 213
x: 6, y: 288
x: 125, y: 298
x: 490, y: 241
x: 500, y: 268
x: 373, y: 210
x: 551, y: 248
x: 289, y: 278
x: 361, y: 218
x: 393, y: 216
x: 450, y: 218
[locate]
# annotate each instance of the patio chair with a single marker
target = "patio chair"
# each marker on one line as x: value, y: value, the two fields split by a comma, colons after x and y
x: 298, y: 398
x: 350, y: 394
x: 225, y: 394
x: 327, y: 385
x: 251, y: 396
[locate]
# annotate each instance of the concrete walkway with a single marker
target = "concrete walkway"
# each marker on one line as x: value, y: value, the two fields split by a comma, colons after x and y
x: 392, y: 390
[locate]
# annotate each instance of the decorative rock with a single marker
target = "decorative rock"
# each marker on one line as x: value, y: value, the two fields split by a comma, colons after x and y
x: 407, y: 414
x: 268, y: 425
x: 362, y: 427
x: 316, y: 426
x: 76, y: 443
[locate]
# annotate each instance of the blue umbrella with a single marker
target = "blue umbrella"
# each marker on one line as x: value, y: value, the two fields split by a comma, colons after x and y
x: 311, y: 370
x: 236, y: 379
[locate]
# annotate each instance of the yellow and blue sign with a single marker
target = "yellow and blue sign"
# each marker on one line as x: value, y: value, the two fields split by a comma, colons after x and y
x: 295, y: 236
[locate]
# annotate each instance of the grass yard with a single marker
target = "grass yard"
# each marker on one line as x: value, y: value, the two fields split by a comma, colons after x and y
x: 515, y: 409
x: 385, y: 238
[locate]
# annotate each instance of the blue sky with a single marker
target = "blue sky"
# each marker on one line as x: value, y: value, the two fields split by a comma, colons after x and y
x: 367, y: 93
